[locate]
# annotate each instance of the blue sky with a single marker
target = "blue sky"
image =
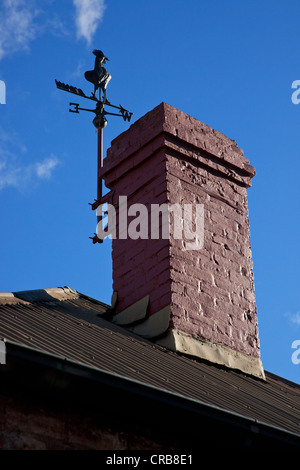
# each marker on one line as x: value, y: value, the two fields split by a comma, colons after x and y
x: 230, y: 64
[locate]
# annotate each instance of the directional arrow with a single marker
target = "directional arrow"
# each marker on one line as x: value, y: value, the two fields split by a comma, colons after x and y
x: 73, y: 89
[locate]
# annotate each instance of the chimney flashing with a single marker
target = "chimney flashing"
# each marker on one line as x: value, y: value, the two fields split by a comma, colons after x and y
x: 133, y: 313
x: 184, y: 343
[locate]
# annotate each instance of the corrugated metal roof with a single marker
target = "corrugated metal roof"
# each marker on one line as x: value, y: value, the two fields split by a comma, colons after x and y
x: 66, y: 323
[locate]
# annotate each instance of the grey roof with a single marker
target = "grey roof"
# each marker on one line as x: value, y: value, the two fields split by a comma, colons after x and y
x: 65, y: 323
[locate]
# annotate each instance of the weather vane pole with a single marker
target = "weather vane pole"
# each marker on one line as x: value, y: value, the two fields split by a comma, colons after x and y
x: 100, y: 77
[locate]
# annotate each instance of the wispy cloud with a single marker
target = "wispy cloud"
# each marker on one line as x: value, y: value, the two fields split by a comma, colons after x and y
x: 45, y: 168
x: 79, y: 71
x: 20, y: 176
x: 56, y: 25
x: 17, y: 27
x: 21, y: 21
x: 89, y: 14
x: 295, y: 318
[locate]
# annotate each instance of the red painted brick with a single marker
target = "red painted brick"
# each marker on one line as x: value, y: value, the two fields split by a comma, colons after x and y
x: 168, y: 156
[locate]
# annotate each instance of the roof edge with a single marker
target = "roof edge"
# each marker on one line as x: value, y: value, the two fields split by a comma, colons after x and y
x: 38, y: 295
x: 165, y: 397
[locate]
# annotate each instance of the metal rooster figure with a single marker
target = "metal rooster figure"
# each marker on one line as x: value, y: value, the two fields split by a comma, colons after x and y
x: 100, y: 78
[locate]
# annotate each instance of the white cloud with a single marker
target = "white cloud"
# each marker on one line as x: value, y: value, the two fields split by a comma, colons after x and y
x: 17, y: 26
x: 295, y: 318
x: 8, y: 175
x: 45, y: 168
x: 19, y: 176
x: 89, y: 14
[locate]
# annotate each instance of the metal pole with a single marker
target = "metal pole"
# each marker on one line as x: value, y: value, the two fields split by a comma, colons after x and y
x: 100, y: 163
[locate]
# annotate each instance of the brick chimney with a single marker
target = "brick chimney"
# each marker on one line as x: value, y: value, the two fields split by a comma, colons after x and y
x: 198, y: 301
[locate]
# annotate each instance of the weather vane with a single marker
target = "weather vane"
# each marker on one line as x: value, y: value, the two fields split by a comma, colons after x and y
x: 100, y: 78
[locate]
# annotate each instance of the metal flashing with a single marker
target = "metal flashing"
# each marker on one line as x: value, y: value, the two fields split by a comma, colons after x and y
x: 155, y: 325
x: 2, y: 352
x: 137, y: 311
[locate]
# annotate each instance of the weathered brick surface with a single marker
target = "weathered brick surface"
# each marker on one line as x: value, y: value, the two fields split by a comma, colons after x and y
x: 168, y: 156
x: 26, y: 426
x: 141, y: 267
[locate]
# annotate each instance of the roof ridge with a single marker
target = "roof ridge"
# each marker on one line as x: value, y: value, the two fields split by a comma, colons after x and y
x: 38, y: 295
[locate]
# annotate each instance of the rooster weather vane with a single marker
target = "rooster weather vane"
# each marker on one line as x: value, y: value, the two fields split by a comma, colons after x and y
x: 100, y: 78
